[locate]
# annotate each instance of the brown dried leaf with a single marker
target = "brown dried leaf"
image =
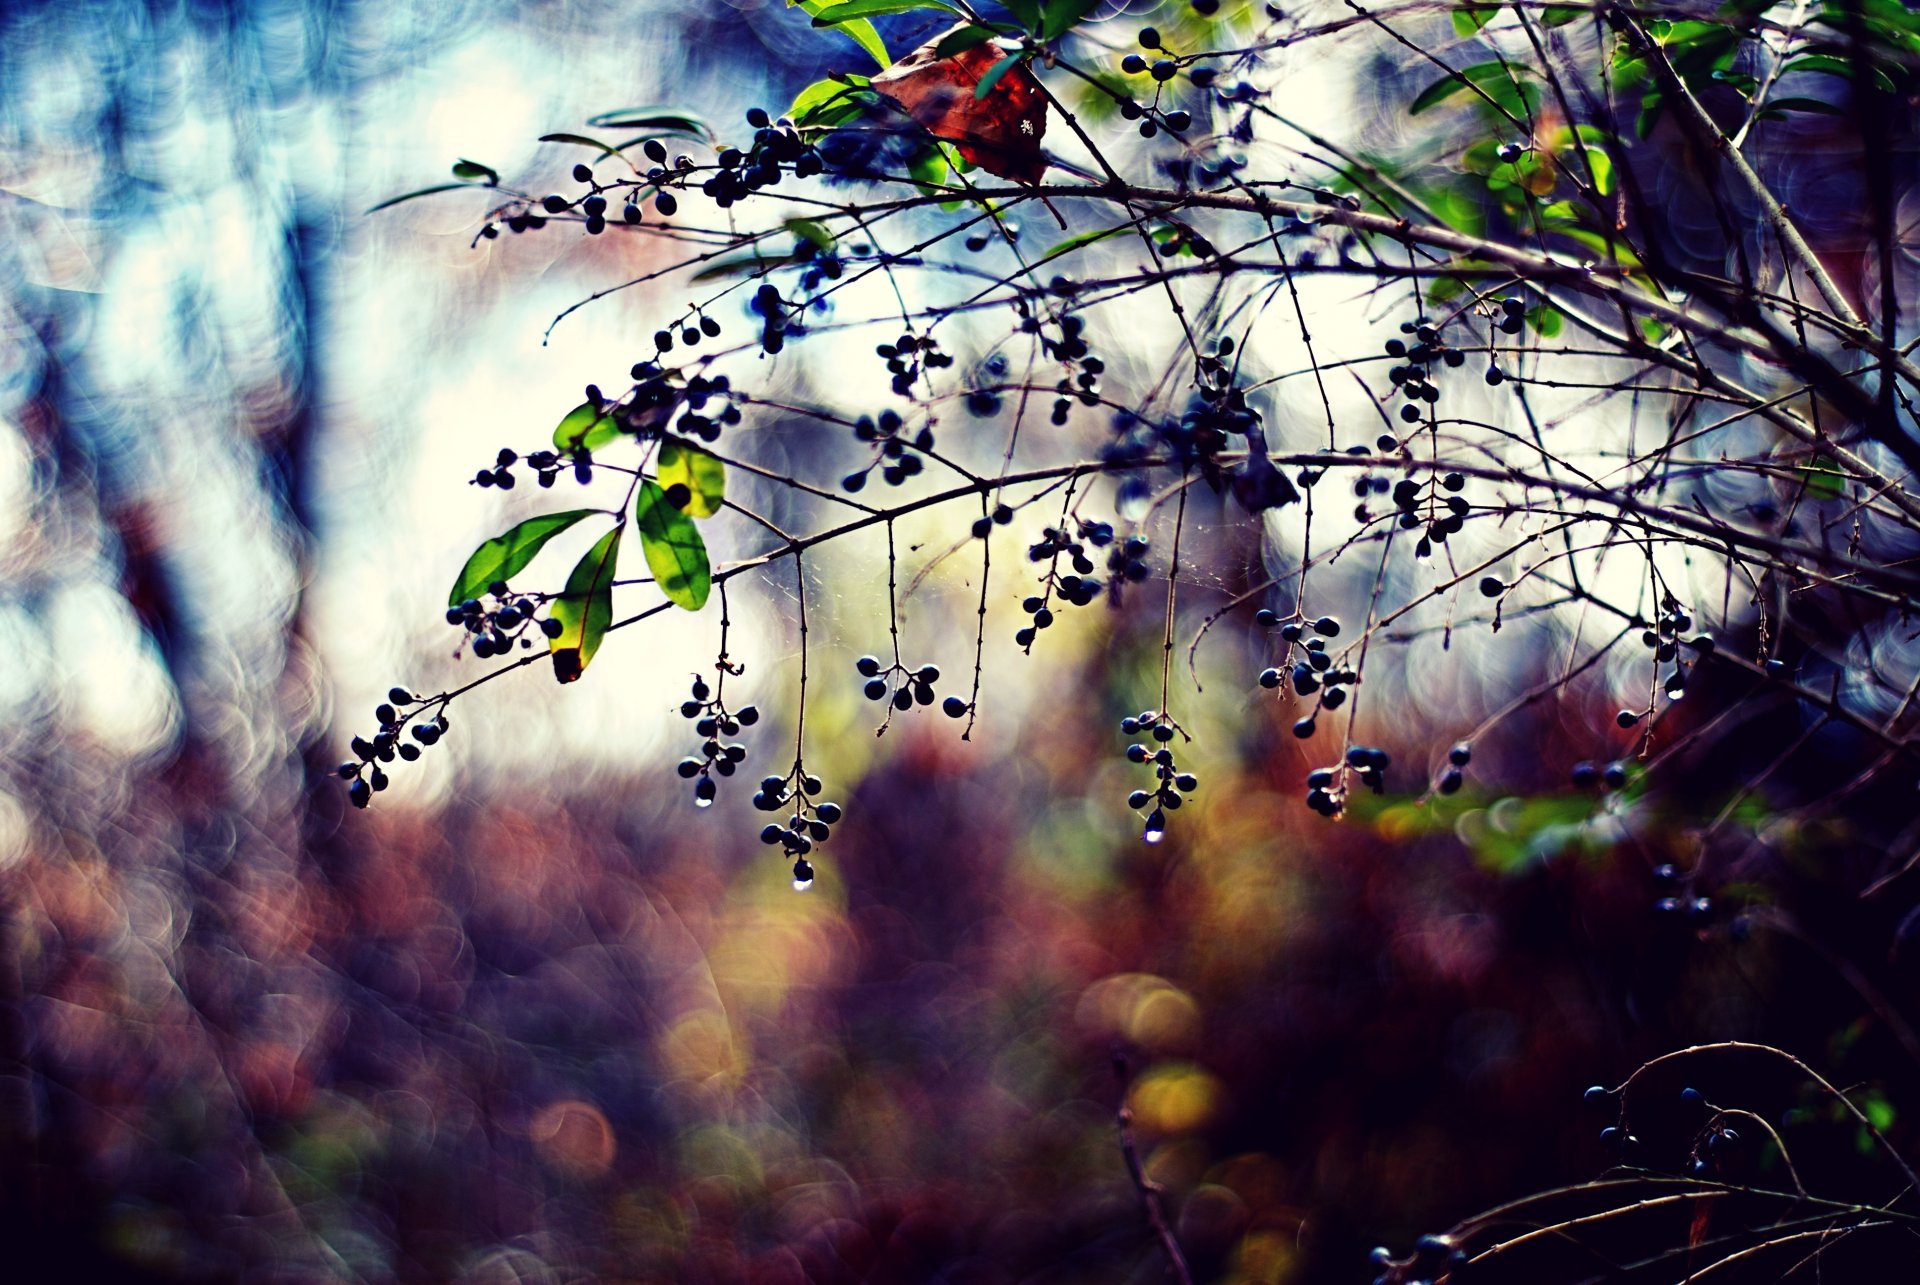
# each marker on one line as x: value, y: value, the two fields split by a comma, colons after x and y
x: 999, y: 132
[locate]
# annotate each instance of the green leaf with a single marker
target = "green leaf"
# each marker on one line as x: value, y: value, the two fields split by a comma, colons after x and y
x: 1057, y: 17
x: 425, y: 191
x: 1547, y: 321
x: 585, y: 425
x: 812, y: 230
x: 834, y: 14
x: 464, y: 168
x: 1778, y: 107
x: 581, y: 140
x: 1471, y: 19
x: 668, y: 120
x: 929, y: 168
x: 585, y: 609
x: 507, y: 554
x: 704, y: 478
x: 1073, y: 243
x: 1823, y: 478
x: 995, y: 72
x: 676, y: 554
x: 961, y: 39
x: 742, y: 265
x: 830, y: 102
x: 1026, y: 12
x: 1560, y: 15
x: 1488, y: 76
x: 860, y: 30
x: 1829, y: 65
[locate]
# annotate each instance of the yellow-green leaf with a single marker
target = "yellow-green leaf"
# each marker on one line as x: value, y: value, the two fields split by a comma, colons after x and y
x: 687, y: 472
x: 585, y: 609
x: 675, y: 553
x: 585, y: 425
x: 507, y: 554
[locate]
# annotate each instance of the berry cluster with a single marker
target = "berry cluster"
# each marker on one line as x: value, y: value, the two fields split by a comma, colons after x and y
x: 363, y: 770
x: 501, y: 474
x: 809, y: 823
x: 1433, y: 1257
x: 493, y: 630
x: 1414, y: 497
x: 1664, y: 639
x: 775, y: 143
x: 907, y: 356
x: 716, y: 756
x: 1415, y: 378
x: 1327, y: 786
x: 1586, y: 774
x: 908, y: 685
x: 1171, y: 782
x: 1310, y: 666
x: 1454, y: 775
x: 1674, y: 896
x: 891, y: 450
x: 776, y: 318
x: 1127, y: 560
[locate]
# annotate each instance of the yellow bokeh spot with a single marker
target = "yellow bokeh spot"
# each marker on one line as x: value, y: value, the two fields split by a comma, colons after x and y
x: 1147, y: 1011
x: 701, y: 1047
x: 1175, y: 1097
x: 1263, y: 1258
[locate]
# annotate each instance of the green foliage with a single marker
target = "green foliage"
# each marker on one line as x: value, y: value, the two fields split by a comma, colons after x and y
x: 702, y: 477
x: 507, y: 554
x: 585, y: 608
x: 858, y: 29
x: 586, y: 426
x: 675, y: 553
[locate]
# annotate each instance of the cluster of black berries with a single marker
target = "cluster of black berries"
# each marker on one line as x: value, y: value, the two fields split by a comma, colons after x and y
x: 1615, y: 1136
x: 1587, y: 774
x: 1664, y: 639
x: 908, y: 685
x: 1454, y: 774
x: 776, y: 318
x: 1311, y: 671
x: 907, y: 356
x: 1513, y: 318
x: 1415, y: 378
x: 1217, y: 410
x: 1127, y: 560
x: 1152, y: 119
x: 1432, y: 1258
x: 696, y: 327
x: 363, y: 770
x: 893, y: 455
x: 1055, y: 543
x: 501, y: 474
x: 980, y: 239
x: 1001, y: 515
x: 1716, y: 1143
x: 1674, y: 897
x: 1071, y: 346
x: 717, y: 757
x: 1083, y: 387
x: 775, y: 143
x: 494, y: 629
x: 1171, y: 782
x: 1326, y: 786
x: 1421, y: 501
x: 809, y: 823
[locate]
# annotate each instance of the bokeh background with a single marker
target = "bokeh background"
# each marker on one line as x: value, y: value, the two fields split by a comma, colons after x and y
x: 535, y: 1019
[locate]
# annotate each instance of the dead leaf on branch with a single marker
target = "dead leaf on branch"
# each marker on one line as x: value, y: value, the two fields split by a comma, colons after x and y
x: 998, y: 130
